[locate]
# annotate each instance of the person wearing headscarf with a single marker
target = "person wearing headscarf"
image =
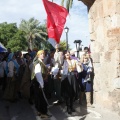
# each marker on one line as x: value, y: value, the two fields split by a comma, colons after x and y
x: 12, y: 68
x: 39, y: 75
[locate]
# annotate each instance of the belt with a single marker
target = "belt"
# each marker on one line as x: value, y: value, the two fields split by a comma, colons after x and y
x: 71, y: 73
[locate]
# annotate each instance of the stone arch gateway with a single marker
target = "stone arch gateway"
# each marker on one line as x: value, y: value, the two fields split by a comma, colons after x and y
x: 104, y: 28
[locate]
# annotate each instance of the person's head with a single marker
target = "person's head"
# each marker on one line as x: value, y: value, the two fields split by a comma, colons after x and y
x: 67, y: 55
x: 29, y: 50
x: 11, y: 56
x: 9, y: 50
x: 19, y: 54
x: 41, y: 54
x: 85, y: 59
x: 52, y: 51
x: 86, y: 49
x: 35, y: 49
x: 46, y: 52
x: 27, y: 56
x: 51, y: 54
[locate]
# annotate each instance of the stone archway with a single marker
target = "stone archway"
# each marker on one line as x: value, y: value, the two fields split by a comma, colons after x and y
x: 88, y: 3
x: 104, y: 27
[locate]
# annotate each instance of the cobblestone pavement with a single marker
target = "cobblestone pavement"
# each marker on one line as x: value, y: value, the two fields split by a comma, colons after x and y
x: 22, y: 110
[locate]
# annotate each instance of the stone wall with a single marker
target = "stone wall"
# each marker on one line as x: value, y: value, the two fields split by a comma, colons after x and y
x: 104, y: 27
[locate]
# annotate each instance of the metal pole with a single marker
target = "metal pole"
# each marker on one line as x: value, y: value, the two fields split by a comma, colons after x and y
x: 66, y: 40
x: 77, y: 53
x: 76, y: 49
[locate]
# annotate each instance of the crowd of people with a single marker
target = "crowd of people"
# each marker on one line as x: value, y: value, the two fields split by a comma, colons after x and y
x: 40, y: 74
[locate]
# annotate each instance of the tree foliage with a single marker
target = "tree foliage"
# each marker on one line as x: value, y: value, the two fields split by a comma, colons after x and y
x: 7, y: 31
x: 18, y: 38
x: 63, y: 45
x: 18, y: 42
x: 12, y: 37
x: 32, y: 31
x: 68, y: 4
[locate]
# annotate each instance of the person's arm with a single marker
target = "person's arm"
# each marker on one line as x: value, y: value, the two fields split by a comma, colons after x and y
x: 56, y: 56
x: 38, y: 75
x: 79, y: 66
x: 65, y: 68
x: 61, y: 58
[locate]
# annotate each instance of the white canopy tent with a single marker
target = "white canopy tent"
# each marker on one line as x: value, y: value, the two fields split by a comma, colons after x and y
x: 2, y: 48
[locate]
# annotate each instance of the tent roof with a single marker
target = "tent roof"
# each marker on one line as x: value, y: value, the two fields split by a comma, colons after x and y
x: 2, y: 48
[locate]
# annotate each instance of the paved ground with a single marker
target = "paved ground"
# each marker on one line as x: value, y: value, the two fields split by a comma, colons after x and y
x: 22, y: 110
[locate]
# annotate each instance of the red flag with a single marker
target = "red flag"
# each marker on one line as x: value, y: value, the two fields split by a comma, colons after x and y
x: 56, y: 18
x: 89, y: 50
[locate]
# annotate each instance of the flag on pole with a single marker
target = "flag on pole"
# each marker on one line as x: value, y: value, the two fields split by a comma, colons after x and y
x: 56, y: 18
x: 89, y: 50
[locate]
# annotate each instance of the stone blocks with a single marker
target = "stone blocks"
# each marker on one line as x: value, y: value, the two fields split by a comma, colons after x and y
x: 104, y: 22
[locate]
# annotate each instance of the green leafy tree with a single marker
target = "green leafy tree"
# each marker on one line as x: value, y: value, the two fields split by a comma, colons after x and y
x: 17, y: 42
x: 42, y: 44
x: 32, y: 31
x: 68, y: 3
x: 63, y: 45
x: 7, y: 31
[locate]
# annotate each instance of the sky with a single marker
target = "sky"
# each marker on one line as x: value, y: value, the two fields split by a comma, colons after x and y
x: 13, y: 11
